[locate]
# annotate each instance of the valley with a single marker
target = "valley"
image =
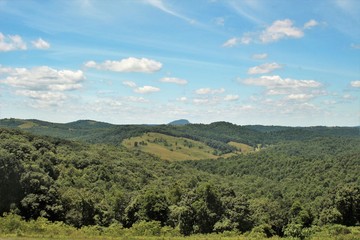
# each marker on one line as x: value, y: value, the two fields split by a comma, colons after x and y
x: 217, y: 180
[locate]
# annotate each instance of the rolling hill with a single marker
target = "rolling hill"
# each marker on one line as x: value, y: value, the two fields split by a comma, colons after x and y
x: 99, y: 174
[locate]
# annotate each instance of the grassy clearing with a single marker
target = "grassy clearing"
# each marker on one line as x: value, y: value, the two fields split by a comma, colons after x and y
x: 177, y: 148
x: 244, y: 148
x: 170, y: 148
x: 27, y: 125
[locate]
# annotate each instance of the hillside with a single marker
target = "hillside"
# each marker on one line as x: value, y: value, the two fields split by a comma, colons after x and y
x: 285, y: 186
x: 216, y: 135
x: 175, y: 148
x: 179, y: 122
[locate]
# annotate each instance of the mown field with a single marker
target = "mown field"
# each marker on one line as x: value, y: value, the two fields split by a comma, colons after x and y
x: 178, y: 148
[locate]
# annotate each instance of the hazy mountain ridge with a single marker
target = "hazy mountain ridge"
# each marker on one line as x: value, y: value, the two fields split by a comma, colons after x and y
x: 216, y: 134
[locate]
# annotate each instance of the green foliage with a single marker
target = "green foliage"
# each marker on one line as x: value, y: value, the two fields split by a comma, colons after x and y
x: 292, y: 188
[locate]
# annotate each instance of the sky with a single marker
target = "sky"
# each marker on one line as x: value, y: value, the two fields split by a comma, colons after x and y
x: 270, y: 62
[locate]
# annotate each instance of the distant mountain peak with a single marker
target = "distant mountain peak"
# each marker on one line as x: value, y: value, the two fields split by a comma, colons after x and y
x: 179, y: 122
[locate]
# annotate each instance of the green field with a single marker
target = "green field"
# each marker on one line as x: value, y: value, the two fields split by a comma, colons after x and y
x: 178, y: 148
x: 244, y: 148
x: 170, y: 148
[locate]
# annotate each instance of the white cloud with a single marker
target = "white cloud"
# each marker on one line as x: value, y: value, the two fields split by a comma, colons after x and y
x: 43, y: 78
x: 355, y: 46
x: 136, y: 99
x: 355, y: 84
x: 232, y: 42
x: 280, y: 29
x: 129, y: 84
x: 201, y: 101
x: 130, y: 64
x: 91, y: 64
x: 310, y: 24
x: 174, y: 80
x: 44, y: 86
x: 45, y: 96
x: 260, y: 56
x: 220, y: 21
x: 300, y: 96
x: 41, y: 44
x: 182, y: 99
x: 11, y: 43
x: 277, y: 84
x: 231, y: 97
x: 264, y: 68
x: 159, y: 4
x: 203, y: 91
x: 146, y: 89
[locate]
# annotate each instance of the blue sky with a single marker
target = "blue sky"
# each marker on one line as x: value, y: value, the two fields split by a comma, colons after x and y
x: 272, y: 62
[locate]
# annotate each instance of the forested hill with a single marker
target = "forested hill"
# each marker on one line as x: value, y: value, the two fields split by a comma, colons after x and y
x: 215, y: 135
x: 289, y: 188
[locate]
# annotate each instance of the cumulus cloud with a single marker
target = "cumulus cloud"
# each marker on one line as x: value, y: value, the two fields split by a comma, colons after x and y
x: 174, y: 80
x: 310, y: 24
x: 264, y: 68
x: 130, y: 64
x: 260, y: 56
x: 203, y: 91
x: 279, y: 29
x: 231, y: 97
x: 45, y: 86
x: 146, y: 89
x: 300, y: 96
x: 40, y: 44
x: 46, y: 96
x: 355, y: 84
x: 43, y: 78
x: 277, y: 82
x: 11, y: 43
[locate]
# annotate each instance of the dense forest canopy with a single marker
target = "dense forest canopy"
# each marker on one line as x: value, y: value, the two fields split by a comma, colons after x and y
x: 302, y: 177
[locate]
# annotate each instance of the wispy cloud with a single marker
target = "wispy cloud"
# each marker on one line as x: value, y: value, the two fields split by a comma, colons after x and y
x: 146, y: 89
x: 279, y: 29
x: 310, y: 24
x: 275, y: 81
x: 219, y: 21
x: 141, y: 90
x: 159, y: 4
x: 41, y: 44
x: 231, y: 97
x: 246, y: 9
x: 178, y: 81
x: 204, y: 91
x: 355, y: 84
x: 11, y: 43
x: 130, y: 64
x: 264, y: 68
x: 355, y: 46
x: 260, y: 56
